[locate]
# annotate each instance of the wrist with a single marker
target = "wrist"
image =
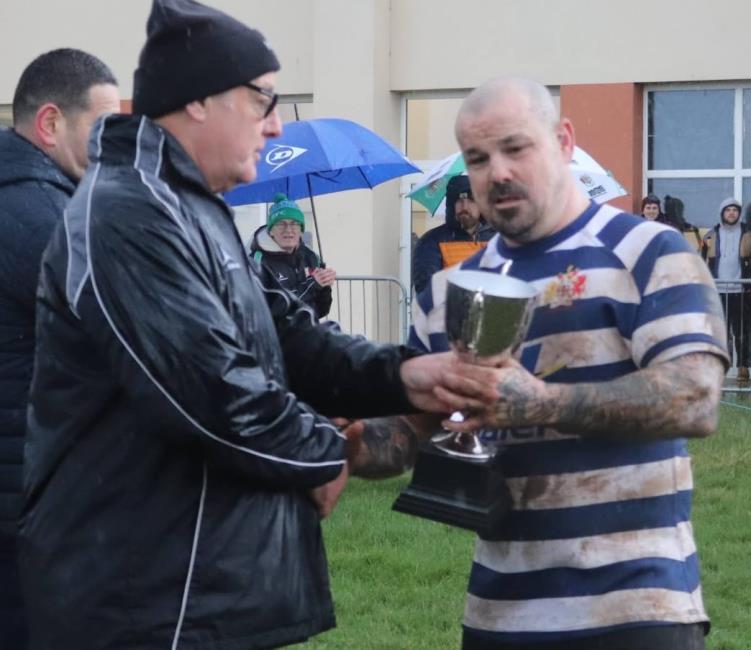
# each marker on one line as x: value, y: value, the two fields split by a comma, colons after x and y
x: 549, y: 404
x: 353, y: 443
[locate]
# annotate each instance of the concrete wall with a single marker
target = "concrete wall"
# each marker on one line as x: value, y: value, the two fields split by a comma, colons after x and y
x: 434, y: 44
x: 114, y: 30
x: 456, y: 45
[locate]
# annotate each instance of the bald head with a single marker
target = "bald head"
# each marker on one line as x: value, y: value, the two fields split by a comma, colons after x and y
x: 539, y: 101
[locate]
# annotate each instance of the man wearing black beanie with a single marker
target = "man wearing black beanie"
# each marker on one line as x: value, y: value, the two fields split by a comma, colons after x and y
x: 463, y: 233
x: 177, y: 461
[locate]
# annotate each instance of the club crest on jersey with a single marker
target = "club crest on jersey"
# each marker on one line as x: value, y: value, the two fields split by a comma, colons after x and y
x: 564, y: 289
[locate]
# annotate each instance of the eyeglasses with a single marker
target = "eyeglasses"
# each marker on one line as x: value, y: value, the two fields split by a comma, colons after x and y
x: 288, y: 225
x: 272, y: 96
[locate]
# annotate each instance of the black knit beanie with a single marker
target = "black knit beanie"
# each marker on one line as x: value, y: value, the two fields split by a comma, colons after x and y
x: 456, y: 186
x: 193, y: 51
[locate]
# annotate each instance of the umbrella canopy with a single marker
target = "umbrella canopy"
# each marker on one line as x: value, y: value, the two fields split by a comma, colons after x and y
x: 431, y: 191
x: 321, y: 156
x: 593, y: 179
x: 596, y: 181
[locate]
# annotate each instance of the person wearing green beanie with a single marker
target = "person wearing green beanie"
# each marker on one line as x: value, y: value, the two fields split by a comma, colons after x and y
x: 279, y: 248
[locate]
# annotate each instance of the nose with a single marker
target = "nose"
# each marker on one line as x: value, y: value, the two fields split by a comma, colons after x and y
x: 272, y: 125
x: 500, y: 168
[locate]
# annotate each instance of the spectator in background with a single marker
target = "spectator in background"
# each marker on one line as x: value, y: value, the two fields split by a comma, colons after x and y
x: 279, y: 247
x: 674, y: 217
x: 727, y: 250
x: 464, y: 232
x: 42, y: 158
x: 652, y: 211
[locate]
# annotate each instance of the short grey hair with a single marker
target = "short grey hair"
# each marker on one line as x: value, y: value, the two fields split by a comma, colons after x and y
x: 540, y: 100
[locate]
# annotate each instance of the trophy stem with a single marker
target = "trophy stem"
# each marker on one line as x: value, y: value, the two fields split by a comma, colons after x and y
x: 463, y: 445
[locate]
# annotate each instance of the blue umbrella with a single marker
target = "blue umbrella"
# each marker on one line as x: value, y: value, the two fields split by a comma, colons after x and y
x: 320, y: 157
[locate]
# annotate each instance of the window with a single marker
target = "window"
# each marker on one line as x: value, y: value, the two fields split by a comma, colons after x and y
x: 6, y: 115
x: 698, y: 147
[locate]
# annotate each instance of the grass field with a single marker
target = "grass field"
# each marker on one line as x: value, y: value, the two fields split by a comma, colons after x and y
x: 399, y: 582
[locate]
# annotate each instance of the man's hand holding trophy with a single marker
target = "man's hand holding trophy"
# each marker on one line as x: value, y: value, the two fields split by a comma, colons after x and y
x: 457, y: 478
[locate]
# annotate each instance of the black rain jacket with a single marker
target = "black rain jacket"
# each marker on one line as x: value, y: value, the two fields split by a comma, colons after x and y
x: 172, y: 439
x: 33, y: 195
x: 292, y: 270
x: 427, y: 259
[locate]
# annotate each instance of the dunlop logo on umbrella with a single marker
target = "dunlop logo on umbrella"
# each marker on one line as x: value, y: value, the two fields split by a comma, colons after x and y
x: 281, y: 154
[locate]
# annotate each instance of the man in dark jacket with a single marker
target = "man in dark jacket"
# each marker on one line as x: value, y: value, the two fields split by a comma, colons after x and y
x: 462, y: 235
x: 176, y: 463
x: 279, y: 247
x: 57, y: 98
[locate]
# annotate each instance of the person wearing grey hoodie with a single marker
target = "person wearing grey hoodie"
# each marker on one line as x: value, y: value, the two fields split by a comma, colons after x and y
x: 727, y: 250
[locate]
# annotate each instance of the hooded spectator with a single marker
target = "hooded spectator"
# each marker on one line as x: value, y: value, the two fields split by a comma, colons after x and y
x: 463, y: 233
x: 726, y: 248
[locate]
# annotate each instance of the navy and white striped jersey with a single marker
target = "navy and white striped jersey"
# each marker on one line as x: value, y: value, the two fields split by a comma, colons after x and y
x: 599, y: 536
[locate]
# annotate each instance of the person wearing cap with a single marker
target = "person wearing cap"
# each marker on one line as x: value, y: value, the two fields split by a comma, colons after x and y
x: 278, y: 247
x: 727, y: 248
x: 463, y: 233
x: 177, y: 460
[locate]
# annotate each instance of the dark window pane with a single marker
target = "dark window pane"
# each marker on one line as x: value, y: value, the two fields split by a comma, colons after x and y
x: 747, y: 129
x: 747, y: 199
x: 701, y: 196
x: 690, y: 129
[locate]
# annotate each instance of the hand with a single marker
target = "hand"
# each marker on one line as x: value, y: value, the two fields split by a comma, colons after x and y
x: 441, y: 383
x: 522, y: 399
x: 326, y: 496
x: 353, y: 430
x: 324, y: 277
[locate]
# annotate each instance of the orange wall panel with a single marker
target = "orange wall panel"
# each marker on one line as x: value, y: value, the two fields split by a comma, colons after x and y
x: 608, y: 123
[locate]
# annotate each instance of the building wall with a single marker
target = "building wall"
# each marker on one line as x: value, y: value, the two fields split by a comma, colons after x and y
x: 608, y: 120
x: 115, y: 30
x: 457, y: 45
x: 434, y: 44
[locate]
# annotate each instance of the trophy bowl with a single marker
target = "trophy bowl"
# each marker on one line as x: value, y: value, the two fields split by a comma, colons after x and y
x: 484, y: 311
x: 457, y: 478
x: 484, y: 316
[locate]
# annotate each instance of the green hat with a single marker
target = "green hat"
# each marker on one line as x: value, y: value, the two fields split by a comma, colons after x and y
x: 283, y: 208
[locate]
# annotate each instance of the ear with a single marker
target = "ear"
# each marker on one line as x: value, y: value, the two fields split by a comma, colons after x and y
x: 47, y: 122
x: 197, y: 110
x: 565, y: 133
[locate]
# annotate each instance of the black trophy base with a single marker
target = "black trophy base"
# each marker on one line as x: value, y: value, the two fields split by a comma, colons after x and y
x: 461, y: 492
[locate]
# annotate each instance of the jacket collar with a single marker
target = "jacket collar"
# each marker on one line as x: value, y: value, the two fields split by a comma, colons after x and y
x: 137, y: 140
x: 23, y: 161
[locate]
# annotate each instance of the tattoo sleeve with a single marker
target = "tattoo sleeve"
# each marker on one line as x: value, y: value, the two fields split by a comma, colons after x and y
x: 389, y: 445
x: 678, y: 398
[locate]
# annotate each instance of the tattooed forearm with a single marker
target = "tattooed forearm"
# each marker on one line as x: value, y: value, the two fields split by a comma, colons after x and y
x: 678, y: 398
x: 389, y: 445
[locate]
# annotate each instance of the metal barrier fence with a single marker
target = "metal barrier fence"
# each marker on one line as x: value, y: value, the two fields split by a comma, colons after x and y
x: 735, y: 297
x: 375, y: 306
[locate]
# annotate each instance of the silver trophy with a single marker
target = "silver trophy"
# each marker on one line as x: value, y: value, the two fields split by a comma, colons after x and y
x: 485, y: 315
x: 457, y: 478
